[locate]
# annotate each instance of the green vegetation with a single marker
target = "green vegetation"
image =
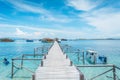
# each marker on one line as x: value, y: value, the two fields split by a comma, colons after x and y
x: 6, y: 40
x: 47, y: 40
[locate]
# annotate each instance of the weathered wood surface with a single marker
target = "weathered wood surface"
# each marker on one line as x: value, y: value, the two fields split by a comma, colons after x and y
x: 56, y: 66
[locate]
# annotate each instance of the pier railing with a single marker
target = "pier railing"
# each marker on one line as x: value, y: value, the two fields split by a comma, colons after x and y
x: 81, y: 57
x: 43, y: 49
x: 22, y: 59
x: 113, y: 69
x: 39, y: 50
x: 79, y: 54
x: 38, y: 55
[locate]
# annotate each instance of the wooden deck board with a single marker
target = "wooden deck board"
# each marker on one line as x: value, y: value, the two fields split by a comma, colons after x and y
x: 56, y: 66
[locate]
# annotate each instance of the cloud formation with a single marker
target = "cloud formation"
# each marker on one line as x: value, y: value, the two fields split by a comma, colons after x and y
x: 20, y: 32
x: 23, y: 34
x: 74, y: 18
x: 84, y: 5
x: 44, y: 14
x: 37, y: 33
x: 104, y: 19
x: 20, y: 5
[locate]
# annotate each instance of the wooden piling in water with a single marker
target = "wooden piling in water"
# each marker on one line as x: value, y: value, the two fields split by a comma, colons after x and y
x: 22, y: 61
x: 12, y: 70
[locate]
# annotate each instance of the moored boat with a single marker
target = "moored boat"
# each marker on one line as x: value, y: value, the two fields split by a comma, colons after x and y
x: 28, y: 40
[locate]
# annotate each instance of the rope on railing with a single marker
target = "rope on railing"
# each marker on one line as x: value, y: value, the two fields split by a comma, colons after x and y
x: 25, y: 68
x: 21, y: 65
x: 78, y: 53
x: 101, y: 74
x: 115, y: 77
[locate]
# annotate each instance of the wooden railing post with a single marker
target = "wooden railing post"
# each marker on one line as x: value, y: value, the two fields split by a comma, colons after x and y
x: 34, y: 51
x: 33, y: 77
x: 114, y: 72
x: 71, y: 63
x: 22, y: 61
x: 41, y: 63
x: 45, y: 56
x: 12, y: 71
x: 83, y: 58
x: 81, y: 76
x: 78, y: 55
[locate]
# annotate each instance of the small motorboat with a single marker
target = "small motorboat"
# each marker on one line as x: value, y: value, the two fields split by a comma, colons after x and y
x: 103, y: 59
x: 91, y: 56
x: 6, y: 62
x: 29, y: 40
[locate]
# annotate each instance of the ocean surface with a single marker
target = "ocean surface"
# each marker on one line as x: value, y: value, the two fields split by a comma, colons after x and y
x: 108, y: 48
x: 11, y: 50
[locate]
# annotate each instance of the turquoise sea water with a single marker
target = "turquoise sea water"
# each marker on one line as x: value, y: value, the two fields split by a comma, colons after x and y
x: 10, y: 50
x: 109, y: 48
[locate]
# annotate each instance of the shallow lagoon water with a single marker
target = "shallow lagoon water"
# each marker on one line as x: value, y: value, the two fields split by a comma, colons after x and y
x: 11, y: 50
x: 109, y: 48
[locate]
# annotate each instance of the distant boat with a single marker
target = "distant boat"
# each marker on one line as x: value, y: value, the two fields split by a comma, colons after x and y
x: 6, y: 62
x: 29, y: 40
x: 63, y: 39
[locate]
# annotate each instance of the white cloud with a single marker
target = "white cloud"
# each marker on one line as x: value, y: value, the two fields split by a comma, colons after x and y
x: 52, y: 33
x: 105, y: 20
x: 33, y: 32
x: 19, y: 5
x: 44, y: 14
x: 37, y: 33
x: 61, y: 19
x: 20, y: 32
x: 84, y: 5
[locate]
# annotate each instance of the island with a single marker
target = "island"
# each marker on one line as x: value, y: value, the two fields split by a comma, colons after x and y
x: 47, y: 40
x: 6, y: 40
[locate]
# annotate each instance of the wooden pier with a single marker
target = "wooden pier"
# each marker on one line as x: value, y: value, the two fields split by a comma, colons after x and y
x: 57, y: 67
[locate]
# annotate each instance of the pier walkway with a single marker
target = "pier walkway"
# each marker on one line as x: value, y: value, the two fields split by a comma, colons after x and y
x: 56, y: 66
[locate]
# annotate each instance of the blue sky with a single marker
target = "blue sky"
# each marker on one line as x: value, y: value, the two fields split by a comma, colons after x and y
x: 60, y: 18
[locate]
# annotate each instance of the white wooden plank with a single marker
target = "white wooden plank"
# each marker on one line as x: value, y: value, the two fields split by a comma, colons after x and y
x: 56, y: 66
